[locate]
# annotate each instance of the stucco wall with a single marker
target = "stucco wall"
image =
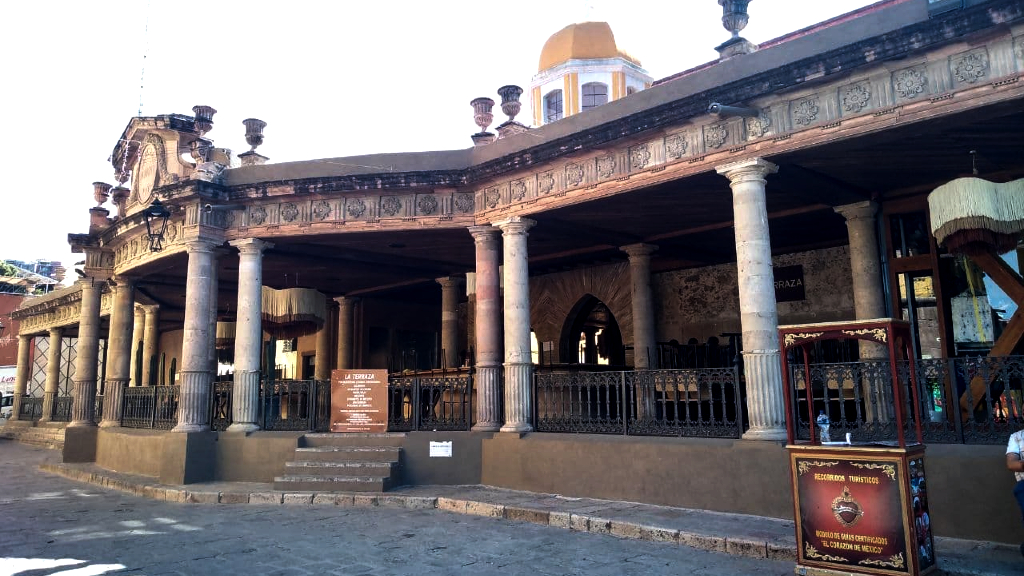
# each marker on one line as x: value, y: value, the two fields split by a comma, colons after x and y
x: 170, y: 349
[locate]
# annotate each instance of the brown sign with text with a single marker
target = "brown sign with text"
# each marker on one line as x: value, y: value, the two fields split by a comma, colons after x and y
x: 359, y: 401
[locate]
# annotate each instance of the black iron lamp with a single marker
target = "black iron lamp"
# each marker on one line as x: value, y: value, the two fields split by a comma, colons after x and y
x: 156, y: 216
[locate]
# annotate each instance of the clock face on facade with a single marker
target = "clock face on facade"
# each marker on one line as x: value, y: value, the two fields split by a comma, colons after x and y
x: 145, y: 175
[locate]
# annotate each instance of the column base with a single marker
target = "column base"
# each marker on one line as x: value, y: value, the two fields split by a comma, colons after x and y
x: 765, y: 434
x: 245, y: 427
x: 486, y: 427
x: 110, y: 424
x: 82, y: 424
x: 190, y: 428
x: 520, y: 428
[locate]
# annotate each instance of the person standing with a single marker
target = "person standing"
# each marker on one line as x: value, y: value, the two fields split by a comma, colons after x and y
x: 1015, y: 463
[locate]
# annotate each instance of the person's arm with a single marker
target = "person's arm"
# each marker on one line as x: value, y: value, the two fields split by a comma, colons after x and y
x: 1014, y: 463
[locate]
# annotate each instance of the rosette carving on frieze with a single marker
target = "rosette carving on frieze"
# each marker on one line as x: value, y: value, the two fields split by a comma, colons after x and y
x: 427, y: 204
x: 390, y: 205
x: 855, y: 97
x: 909, y: 83
x: 464, y: 203
x: 970, y: 67
x: 356, y: 207
x: 546, y: 182
x: 321, y: 209
x: 715, y: 135
x: 573, y: 174
x: 605, y: 166
x: 675, y: 146
x: 289, y: 212
x: 518, y: 190
x: 806, y: 111
x: 639, y: 156
x: 257, y: 215
x: 758, y: 126
x: 491, y: 198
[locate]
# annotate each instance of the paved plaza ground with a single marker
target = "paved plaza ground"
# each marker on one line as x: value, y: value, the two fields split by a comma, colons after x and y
x: 50, y: 525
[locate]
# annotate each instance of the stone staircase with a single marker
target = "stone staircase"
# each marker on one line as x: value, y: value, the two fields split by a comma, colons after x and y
x: 355, y: 462
x: 39, y: 436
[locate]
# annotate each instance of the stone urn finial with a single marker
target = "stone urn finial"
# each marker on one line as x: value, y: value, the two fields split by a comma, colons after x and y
x: 100, y: 192
x: 119, y: 195
x: 254, y: 132
x: 734, y: 15
x: 510, y: 100
x: 482, y: 112
x: 204, y: 118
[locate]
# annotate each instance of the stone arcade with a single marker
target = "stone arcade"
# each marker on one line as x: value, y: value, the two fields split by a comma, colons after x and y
x: 607, y: 274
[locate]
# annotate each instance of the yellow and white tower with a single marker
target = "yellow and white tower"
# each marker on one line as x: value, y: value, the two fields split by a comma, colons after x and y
x: 581, y: 68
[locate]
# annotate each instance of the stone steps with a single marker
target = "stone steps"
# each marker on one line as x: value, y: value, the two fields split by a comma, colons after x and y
x: 40, y: 437
x: 343, y: 463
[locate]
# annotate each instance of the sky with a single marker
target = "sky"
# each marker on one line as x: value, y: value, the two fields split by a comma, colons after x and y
x: 329, y: 78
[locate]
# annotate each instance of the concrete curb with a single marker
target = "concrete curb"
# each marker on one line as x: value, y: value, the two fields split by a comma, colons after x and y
x: 566, y: 520
x: 772, y: 549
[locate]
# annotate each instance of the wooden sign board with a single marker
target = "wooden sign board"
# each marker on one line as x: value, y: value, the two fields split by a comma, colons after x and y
x: 359, y: 401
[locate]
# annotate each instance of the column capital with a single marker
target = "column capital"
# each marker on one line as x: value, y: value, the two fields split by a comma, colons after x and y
x: 199, y: 245
x: 57, y: 332
x: 251, y: 245
x: 865, y: 210
x: 486, y: 235
x: 448, y: 281
x: 751, y: 169
x: 125, y: 281
x: 639, y: 250
x: 150, y: 309
x: 345, y: 301
x: 515, y: 225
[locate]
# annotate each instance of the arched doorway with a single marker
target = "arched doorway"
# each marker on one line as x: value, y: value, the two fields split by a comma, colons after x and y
x: 591, y: 335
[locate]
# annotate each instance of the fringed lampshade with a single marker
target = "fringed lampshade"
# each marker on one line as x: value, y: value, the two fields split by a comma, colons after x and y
x: 972, y: 216
x: 225, y: 335
x: 293, y: 312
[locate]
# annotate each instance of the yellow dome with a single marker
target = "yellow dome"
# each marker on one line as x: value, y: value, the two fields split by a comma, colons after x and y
x: 584, y: 41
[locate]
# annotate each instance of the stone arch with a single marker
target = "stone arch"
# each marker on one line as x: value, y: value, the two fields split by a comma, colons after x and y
x: 553, y: 296
x: 589, y: 311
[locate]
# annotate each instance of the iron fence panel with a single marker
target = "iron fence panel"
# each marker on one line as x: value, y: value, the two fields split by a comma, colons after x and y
x: 287, y: 404
x: 31, y: 408
x: 220, y: 405
x: 62, y: 409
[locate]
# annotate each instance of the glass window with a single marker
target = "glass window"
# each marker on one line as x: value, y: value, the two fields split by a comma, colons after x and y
x: 911, y: 235
x: 594, y: 94
x: 553, y: 106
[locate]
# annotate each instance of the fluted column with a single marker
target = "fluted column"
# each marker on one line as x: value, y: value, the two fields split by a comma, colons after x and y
x: 150, y: 345
x: 248, y: 335
x: 52, y: 372
x: 759, y: 317
x: 21, y: 374
x: 211, y: 350
x: 487, y: 285
x: 83, y: 407
x: 345, y: 328
x: 518, y: 361
x: 322, y: 360
x: 119, y: 349
x: 138, y: 332
x: 644, y: 338
x: 450, y: 321
x: 194, y: 390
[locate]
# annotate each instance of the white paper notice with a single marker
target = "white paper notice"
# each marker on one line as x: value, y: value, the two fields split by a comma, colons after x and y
x: 441, y: 449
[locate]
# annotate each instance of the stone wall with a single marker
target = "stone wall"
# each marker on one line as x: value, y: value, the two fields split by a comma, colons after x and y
x: 704, y: 302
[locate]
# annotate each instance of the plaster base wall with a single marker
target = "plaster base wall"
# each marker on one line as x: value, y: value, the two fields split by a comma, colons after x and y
x: 969, y: 486
x: 258, y: 457
x: 130, y: 451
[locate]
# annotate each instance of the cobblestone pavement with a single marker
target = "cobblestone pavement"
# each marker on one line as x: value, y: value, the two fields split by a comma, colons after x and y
x: 45, y: 519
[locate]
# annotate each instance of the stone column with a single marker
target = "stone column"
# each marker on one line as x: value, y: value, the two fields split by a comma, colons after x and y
x: 759, y: 317
x: 322, y: 360
x: 645, y: 354
x: 211, y: 350
x: 119, y: 346
x: 194, y: 390
x: 138, y: 331
x: 52, y: 372
x: 150, y: 345
x: 248, y: 335
x: 470, y: 318
x: 868, y: 298
x: 518, y: 362
x: 449, y: 321
x: 487, y: 328
x: 83, y: 407
x: 345, y: 328
x: 21, y: 375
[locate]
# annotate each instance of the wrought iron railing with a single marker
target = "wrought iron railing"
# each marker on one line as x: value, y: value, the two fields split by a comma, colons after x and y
x: 220, y: 406
x: 62, y: 409
x: 150, y: 407
x: 430, y: 402
x: 295, y: 404
x: 98, y: 408
x: 703, y: 403
x: 31, y: 408
x: 962, y: 400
